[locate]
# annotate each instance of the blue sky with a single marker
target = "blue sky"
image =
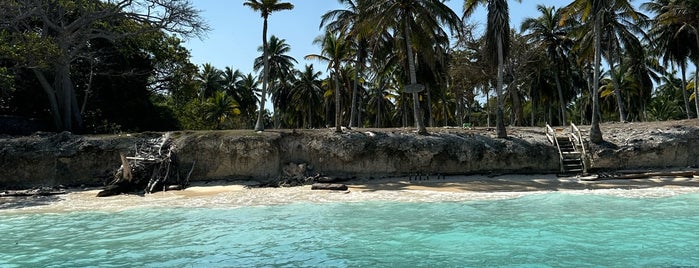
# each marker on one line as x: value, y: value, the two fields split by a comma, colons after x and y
x: 237, y: 30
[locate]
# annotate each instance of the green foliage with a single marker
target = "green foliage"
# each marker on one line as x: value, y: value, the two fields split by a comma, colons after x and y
x: 663, y: 108
x: 27, y: 49
x: 220, y: 109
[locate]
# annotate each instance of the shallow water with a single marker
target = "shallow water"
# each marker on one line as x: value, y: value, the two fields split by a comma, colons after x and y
x: 570, y: 229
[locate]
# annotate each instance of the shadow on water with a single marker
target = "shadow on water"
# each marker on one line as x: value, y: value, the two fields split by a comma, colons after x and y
x: 16, y: 202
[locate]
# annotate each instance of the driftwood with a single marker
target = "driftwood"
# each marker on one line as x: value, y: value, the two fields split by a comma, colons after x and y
x: 153, y: 168
x: 329, y: 186
x: 41, y: 191
x: 639, y: 174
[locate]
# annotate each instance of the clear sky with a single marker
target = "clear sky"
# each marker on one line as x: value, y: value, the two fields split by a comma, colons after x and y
x: 237, y: 30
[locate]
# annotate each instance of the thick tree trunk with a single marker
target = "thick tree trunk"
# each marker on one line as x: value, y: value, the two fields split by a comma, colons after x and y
x: 52, y: 98
x: 63, y: 101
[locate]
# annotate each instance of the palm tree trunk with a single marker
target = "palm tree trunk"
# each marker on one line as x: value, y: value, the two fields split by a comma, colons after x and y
x: 353, y: 108
x: 595, y: 131
x: 684, y: 92
x: 338, y: 99
x: 499, y: 117
x: 378, y: 113
x: 617, y: 87
x: 564, y: 119
x: 430, y: 117
x: 696, y: 89
x: 260, y: 126
x: 413, y: 80
x: 487, y: 106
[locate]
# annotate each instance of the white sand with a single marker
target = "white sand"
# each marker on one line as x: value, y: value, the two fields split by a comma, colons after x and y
x: 449, y: 189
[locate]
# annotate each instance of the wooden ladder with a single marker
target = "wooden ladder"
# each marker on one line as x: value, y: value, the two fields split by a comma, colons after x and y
x: 571, y: 159
x: 570, y: 152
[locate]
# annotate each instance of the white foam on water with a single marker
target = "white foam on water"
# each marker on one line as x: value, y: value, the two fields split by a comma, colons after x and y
x: 236, y: 196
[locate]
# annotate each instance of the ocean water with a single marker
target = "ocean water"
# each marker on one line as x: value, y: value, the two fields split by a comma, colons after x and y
x: 537, y: 230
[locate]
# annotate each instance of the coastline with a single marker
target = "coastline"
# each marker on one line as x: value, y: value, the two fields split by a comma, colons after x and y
x: 54, y: 159
x: 222, y: 194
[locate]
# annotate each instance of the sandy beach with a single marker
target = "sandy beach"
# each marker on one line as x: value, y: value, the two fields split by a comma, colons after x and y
x: 443, y: 189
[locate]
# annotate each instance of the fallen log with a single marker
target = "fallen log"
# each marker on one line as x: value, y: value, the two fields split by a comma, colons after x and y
x: 629, y: 175
x: 32, y: 192
x: 329, y: 186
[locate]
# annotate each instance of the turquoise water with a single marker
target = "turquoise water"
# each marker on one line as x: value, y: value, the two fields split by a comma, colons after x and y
x: 541, y: 230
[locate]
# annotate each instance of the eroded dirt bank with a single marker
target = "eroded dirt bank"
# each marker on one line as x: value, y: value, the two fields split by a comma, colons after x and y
x: 70, y: 160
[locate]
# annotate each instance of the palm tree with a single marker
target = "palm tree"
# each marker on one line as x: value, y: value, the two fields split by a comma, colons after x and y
x: 230, y: 79
x: 247, y: 95
x: 265, y: 7
x: 402, y: 17
x: 674, y: 34
x: 620, y: 29
x: 592, y: 11
x: 335, y: 51
x: 210, y: 80
x: 219, y: 108
x: 546, y: 32
x: 349, y: 23
x: 497, y: 44
x: 280, y: 72
x: 307, y: 94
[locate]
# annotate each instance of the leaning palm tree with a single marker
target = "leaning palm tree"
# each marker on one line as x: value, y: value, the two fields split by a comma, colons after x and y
x: 265, y: 7
x: 402, y: 17
x: 497, y: 44
x: 335, y: 51
x: 552, y: 37
x: 591, y: 11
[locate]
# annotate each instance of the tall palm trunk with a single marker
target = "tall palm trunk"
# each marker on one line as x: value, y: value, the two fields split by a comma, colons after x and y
x: 564, y: 119
x: 499, y: 117
x: 353, y: 109
x: 260, y: 126
x: 413, y: 80
x: 617, y: 87
x: 595, y: 131
x: 683, y: 69
x: 338, y: 112
x: 430, y: 117
x: 696, y: 89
